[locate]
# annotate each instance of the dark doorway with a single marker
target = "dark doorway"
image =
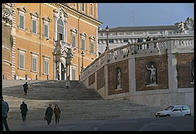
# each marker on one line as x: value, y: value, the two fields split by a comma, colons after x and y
x: 60, y: 36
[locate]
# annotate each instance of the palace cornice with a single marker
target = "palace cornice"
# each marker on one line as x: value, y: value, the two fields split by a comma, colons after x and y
x: 79, y: 13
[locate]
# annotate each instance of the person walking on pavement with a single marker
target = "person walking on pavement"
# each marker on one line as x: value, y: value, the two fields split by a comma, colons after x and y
x: 24, y: 109
x: 25, y: 86
x: 57, y: 113
x: 5, y: 110
x: 48, y: 114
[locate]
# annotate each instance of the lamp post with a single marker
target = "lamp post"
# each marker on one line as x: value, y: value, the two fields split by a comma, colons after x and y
x: 107, y: 46
x: 82, y: 67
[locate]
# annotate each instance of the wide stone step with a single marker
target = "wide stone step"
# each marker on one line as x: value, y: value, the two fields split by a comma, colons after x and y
x: 76, y: 103
x: 52, y: 89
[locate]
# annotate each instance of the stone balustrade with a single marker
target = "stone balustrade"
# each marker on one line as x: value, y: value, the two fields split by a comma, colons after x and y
x: 172, y: 58
x: 156, y: 47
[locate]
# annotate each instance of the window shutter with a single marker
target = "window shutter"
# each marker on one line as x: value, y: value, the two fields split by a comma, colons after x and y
x: 92, y: 48
x: 73, y: 41
x: 21, y: 22
x: 33, y: 26
x: 46, y: 30
x: 83, y: 44
x: 21, y: 61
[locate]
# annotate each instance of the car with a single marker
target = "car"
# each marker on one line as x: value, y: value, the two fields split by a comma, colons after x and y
x: 174, y: 110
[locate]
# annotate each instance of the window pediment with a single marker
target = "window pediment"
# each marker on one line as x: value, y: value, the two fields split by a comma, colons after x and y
x: 73, y: 30
x: 47, y: 19
x: 22, y: 9
x: 60, y: 13
x: 83, y: 34
x: 92, y: 38
x: 35, y: 14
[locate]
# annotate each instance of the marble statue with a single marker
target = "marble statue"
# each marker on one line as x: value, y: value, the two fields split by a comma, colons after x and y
x: 153, y: 74
x: 189, y: 24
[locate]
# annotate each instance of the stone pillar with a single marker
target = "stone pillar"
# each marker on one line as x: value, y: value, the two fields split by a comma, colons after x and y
x: 59, y: 70
x: 172, y: 74
x: 54, y: 68
x: 65, y: 30
x: 55, y: 27
x: 132, y: 76
x: 106, y: 76
x: 13, y: 33
x: 95, y: 86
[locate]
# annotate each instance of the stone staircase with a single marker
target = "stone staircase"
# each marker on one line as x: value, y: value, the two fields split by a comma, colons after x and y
x: 50, y: 90
x: 76, y: 103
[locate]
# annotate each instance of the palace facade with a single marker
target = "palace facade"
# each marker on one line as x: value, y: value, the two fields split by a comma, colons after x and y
x: 50, y: 37
x: 120, y: 36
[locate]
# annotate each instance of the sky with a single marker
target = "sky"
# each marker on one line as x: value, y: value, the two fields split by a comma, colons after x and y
x: 143, y: 14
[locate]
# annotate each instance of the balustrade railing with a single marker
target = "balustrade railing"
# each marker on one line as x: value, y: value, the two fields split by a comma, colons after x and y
x: 151, y: 47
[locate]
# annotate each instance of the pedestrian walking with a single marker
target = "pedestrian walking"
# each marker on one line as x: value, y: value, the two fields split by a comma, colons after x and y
x: 25, y: 86
x: 48, y: 114
x: 148, y: 39
x: 5, y: 110
x: 24, y: 109
x: 57, y: 113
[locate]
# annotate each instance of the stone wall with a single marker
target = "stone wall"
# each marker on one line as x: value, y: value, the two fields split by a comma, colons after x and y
x: 6, y: 71
x: 6, y: 35
x: 100, y: 78
x: 184, y: 70
x: 112, y: 75
x: 6, y: 52
x: 91, y: 79
x: 172, y: 59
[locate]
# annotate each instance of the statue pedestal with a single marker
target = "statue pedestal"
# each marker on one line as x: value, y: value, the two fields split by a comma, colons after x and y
x: 67, y: 84
x: 118, y: 89
x: 152, y: 85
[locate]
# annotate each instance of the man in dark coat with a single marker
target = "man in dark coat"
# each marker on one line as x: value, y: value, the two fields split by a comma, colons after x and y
x: 57, y: 113
x: 48, y: 114
x: 24, y: 109
x: 5, y: 110
x: 25, y: 86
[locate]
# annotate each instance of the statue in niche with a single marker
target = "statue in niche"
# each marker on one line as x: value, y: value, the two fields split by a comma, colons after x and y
x: 118, y: 78
x: 153, y: 74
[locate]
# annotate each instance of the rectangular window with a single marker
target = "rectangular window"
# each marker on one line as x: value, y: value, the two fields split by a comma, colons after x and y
x: 125, y: 40
x: 21, y: 21
x: 83, y: 44
x: 46, y: 31
x: 73, y: 40
x: 82, y: 7
x: 34, y: 64
x: 21, y: 60
x: 46, y: 67
x: 92, y: 48
x: 34, y: 26
x: 111, y: 41
x: 73, y: 74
